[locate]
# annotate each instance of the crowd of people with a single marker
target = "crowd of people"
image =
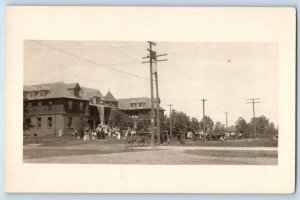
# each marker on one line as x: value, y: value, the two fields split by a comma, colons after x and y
x: 104, y: 131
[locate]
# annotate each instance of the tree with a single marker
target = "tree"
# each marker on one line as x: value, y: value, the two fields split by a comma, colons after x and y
x: 261, y: 123
x: 271, y: 131
x: 209, y: 124
x: 263, y: 127
x: 82, y: 123
x: 219, y: 127
x: 164, y: 123
x: 143, y: 124
x: 194, y: 124
x: 242, y: 127
x: 180, y: 120
x: 26, y: 115
x: 121, y: 120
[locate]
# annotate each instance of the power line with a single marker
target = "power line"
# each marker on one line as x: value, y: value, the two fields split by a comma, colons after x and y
x: 121, y: 51
x: 73, y: 66
x: 93, y: 47
x: 214, y: 102
x: 90, y: 61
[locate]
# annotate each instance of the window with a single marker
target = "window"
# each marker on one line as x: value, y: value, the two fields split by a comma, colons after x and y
x: 50, y: 105
x: 42, y: 93
x: 70, y: 105
x: 39, y: 103
x: 49, y: 122
x: 91, y: 100
x: 31, y: 94
x: 133, y: 105
x: 80, y: 106
x: 97, y: 100
x: 142, y: 104
x: 39, y: 122
x: 76, y: 92
x: 69, y: 122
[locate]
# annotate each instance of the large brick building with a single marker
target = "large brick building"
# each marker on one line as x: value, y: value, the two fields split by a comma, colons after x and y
x: 100, y: 107
x: 60, y: 106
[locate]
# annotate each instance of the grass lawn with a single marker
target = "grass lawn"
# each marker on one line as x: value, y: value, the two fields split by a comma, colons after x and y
x: 66, y: 140
x: 45, y: 153
x: 54, y: 146
x: 231, y: 143
x: 232, y: 154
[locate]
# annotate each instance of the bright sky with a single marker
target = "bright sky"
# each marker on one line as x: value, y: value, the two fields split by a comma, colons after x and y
x: 226, y: 74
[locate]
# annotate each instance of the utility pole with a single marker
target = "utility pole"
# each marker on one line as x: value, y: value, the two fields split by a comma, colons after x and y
x: 151, y: 89
x: 253, y: 101
x: 204, y: 131
x: 226, y: 113
x: 170, y: 105
x: 157, y: 96
x: 153, y: 61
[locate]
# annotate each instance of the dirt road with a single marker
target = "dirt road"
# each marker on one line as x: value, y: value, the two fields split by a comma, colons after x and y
x: 175, y: 155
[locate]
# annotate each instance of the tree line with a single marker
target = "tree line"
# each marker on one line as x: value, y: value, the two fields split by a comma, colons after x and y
x: 181, y: 122
x: 184, y: 123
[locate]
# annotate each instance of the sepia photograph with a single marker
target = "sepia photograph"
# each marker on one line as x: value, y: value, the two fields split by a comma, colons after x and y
x: 117, y: 102
x: 150, y: 100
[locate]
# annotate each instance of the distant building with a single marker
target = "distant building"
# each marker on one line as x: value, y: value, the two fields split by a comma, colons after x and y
x: 230, y: 132
x: 138, y: 108
x: 61, y: 106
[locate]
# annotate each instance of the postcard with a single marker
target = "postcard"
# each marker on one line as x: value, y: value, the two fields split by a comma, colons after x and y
x: 150, y: 99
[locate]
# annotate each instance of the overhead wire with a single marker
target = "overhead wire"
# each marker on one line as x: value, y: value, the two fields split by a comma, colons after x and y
x: 90, y: 61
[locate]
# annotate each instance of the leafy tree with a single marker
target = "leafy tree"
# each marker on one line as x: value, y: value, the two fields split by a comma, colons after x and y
x: 242, y: 127
x: 121, y: 120
x: 180, y: 120
x: 164, y: 123
x: 263, y: 127
x: 219, y: 127
x: 82, y: 123
x: 209, y: 124
x: 143, y: 124
x: 261, y: 124
x: 194, y: 124
x: 270, y: 131
x: 26, y: 117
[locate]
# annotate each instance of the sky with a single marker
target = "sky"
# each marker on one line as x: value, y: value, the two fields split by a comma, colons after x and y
x: 226, y: 74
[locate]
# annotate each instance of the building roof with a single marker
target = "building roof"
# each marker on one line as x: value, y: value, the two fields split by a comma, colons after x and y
x: 231, y: 129
x: 30, y: 88
x: 109, y: 97
x: 71, y: 85
x: 125, y: 104
x: 91, y: 92
x: 53, y: 90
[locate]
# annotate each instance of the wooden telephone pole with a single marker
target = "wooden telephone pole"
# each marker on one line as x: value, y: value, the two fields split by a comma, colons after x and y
x: 170, y: 105
x: 153, y: 60
x: 253, y: 101
x: 226, y: 113
x: 204, y: 131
